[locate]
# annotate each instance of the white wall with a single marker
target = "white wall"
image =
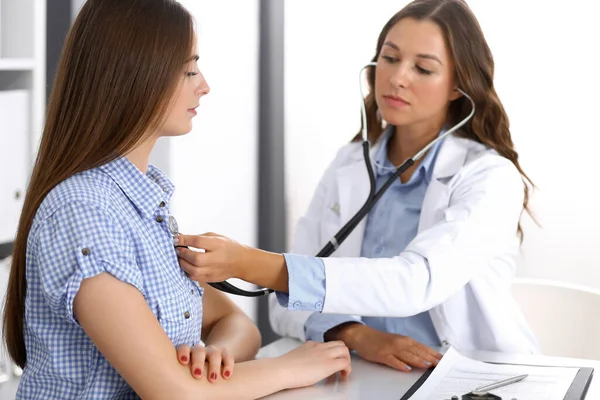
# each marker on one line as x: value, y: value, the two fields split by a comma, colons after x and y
x: 76, y: 6
x: 548, y: 80
x: 214, y: 167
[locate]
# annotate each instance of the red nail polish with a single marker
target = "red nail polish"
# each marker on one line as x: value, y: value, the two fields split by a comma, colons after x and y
x: 213, y: 376
x: 227, y: 373
x: 184, y: 358
x: 198, y: 371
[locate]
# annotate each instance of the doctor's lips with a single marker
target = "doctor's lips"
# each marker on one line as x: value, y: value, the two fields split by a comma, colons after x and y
x: 395, y: 101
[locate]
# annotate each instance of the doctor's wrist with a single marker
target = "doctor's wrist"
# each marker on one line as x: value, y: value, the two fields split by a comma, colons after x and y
x: 265, y: 269
x: 351, y: 333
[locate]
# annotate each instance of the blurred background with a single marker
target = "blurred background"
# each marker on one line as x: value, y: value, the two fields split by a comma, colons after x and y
x: 284, y: 97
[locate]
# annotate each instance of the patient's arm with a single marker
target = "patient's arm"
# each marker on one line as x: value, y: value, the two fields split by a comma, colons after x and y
x: 229, y: 336
x: 116, y: 317
x: 225, y: 325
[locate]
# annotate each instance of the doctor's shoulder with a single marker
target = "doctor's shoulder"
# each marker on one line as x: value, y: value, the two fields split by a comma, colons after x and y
x: 482, y: 162
x: 346, y: 155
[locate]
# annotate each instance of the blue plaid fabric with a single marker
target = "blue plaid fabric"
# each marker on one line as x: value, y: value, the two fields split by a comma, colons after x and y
x: 109, y: 219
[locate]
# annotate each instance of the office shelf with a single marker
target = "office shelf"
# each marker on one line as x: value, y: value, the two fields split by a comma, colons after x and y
x: 17, y: 64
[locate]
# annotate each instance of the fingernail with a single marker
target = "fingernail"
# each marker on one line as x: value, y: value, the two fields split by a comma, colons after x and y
x: 177, y: 252
x: 175, y: 241
x: 408, y: 368
x: 427, y: 363
x: 227, y: 374
x: 184, y: 358
x: 213, y: 376
x: 198, y: 372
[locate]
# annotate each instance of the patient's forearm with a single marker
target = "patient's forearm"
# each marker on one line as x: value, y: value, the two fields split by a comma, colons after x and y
x: 251, y: 380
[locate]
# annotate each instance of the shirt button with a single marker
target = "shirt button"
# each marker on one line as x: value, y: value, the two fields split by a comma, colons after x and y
x: 85, y: 251
x: 162, y: 204
x: 159, y: 219
x: 186, y: 315
x: 319, y: 305
x: 297, y: 304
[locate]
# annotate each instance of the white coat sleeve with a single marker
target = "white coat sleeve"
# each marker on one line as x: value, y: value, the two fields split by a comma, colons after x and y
x: 480, y: 221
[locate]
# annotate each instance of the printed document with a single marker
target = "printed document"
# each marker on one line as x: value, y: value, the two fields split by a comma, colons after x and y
x: 456, y: 375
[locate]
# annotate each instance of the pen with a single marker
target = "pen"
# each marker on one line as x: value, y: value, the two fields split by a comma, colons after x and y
x: 486, y: 388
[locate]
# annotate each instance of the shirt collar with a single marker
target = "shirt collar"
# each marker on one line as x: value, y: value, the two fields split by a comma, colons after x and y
x: 381, y: 157
x: 145, y: 191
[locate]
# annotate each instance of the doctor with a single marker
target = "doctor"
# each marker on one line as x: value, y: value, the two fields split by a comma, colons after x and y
x: 433, y: 262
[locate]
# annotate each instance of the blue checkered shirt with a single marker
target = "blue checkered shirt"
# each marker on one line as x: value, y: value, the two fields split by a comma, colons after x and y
x: 109, y: 219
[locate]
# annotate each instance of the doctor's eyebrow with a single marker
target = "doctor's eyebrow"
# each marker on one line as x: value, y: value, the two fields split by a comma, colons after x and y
x: 426, y: 56
x: 195, y: 57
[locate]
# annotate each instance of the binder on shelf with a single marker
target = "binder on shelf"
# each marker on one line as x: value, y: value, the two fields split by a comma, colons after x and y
x: 14, y: 158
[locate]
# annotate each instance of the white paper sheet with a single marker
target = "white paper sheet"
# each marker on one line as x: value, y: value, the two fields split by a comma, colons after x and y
x: 456, y: 375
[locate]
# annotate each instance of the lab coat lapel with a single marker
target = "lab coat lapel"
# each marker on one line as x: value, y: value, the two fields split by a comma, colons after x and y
x: 353, y: 190
x: 450, y: 160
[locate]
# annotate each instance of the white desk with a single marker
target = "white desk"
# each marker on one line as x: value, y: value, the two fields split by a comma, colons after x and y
x: 372, y: 381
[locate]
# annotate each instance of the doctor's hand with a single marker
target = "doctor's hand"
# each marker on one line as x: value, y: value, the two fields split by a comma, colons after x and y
x: 221, y: 258
x: 396, y: 351
x: 209, y: 361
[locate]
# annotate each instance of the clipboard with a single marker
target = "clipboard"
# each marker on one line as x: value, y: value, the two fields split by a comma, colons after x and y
x: 581, y: 384
x: 417, y: 384
x: 577, y: 391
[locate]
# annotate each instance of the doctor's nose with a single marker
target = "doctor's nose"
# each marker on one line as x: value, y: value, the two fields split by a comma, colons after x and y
x: 400, y: 77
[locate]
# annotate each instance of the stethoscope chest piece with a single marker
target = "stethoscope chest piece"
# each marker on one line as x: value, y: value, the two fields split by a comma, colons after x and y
x: 172, y: 225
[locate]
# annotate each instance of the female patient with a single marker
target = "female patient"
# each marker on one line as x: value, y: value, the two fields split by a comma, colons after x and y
x: 97, y: 303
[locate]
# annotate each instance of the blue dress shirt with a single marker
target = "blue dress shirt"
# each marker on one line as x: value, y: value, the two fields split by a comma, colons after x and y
x: 390, y: 226
x: 111, y: 219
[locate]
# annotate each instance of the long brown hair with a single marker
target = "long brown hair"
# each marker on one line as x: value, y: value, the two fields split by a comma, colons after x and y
x: 121, y: 65
x: 474, y: 74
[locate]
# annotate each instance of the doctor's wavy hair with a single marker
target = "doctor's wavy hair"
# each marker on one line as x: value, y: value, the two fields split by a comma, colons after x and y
x: 121, y: 65
x: 474, y: 65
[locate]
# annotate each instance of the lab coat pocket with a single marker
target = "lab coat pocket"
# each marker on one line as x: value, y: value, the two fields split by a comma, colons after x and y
x: 180, y: 315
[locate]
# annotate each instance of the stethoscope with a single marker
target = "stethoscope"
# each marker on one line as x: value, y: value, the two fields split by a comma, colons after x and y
x: 374, y: 195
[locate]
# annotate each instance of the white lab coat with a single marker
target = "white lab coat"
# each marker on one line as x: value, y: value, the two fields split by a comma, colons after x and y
x: 459, y: 266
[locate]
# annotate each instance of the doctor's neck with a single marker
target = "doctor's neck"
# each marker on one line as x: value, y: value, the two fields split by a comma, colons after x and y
x: 140, y: 155
x: 408, y: 140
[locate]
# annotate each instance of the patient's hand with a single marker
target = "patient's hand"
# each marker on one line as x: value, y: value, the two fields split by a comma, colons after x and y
x: 209, y: 360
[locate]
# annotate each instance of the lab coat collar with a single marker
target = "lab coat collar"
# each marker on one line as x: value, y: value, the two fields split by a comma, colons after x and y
x: 353, y: 184
x: 451, y: 157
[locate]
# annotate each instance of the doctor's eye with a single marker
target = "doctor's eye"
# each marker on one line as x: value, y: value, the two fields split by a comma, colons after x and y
x: 423, y: 70
x: 390, y: 59
x: 190, y: 74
